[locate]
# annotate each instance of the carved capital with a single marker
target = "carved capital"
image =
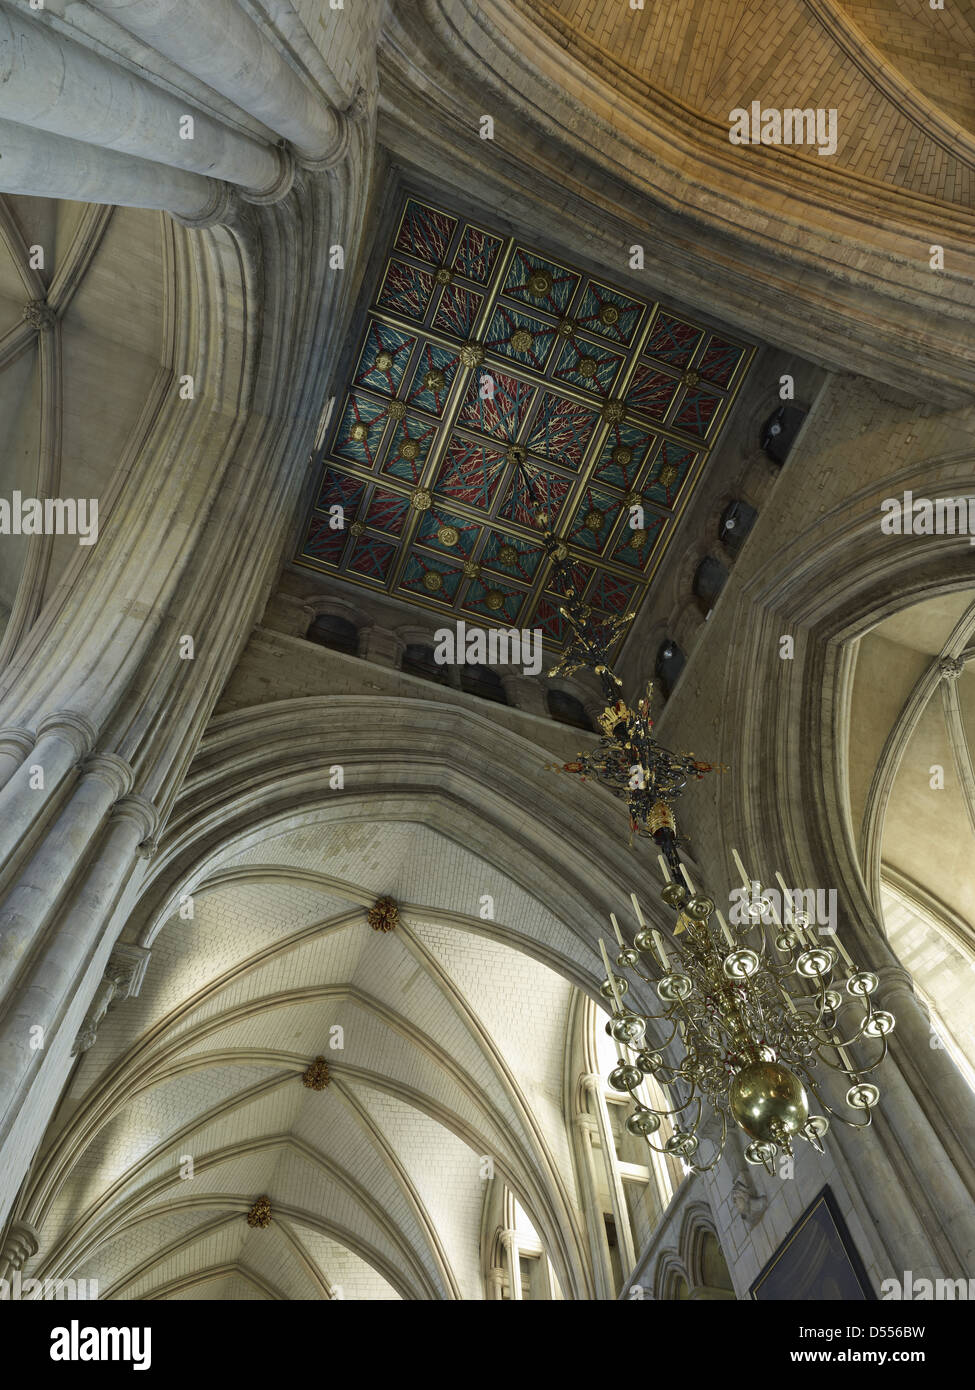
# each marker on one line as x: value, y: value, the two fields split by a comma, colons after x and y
x: 109, y: 768
x: 282, y: 185
x: 16, y: 741
x: 141, y: 812
x: 71, y: 726
x: 221, y: 209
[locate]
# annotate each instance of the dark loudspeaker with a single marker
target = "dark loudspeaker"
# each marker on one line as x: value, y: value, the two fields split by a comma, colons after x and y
x: 780, y: 430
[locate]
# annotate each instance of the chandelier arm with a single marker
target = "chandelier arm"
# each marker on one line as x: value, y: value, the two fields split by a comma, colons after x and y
x: 706, y: 1168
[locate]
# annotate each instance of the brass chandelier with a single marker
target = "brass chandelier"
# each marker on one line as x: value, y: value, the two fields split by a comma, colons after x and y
x: 754, y: 1017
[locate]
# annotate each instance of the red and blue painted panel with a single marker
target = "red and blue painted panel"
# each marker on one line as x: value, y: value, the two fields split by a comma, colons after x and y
x: 651, y: 392
x: 494, y: 601
x: 610, y: 593
x: 432, y: 379
x: 510, y: 555
x: 595, y: 517
x: 634, y: 547
x: 406, y: 290
x: 457, y: 312
x: 563, y: 431
x: 428, y: 577
x: 471, y: 472
x: 438, y: 526
x: 719, y: 361
x: 388, y: 511
x: 697, y: 412
x: 477, y: 254
x: 610, y: 313
x: 406, y: 455
x: 323, y: 542
x: 384, y: 357
x: 361, y: 429
x: 541, y: 283
x: 496, y: 404
x: 425, y: 233
x: 672, y: 341
x: 589, y: 366
x: 520, y: 337
x: 623, y: 454
x: 372, y: 557
x: 548, y: 493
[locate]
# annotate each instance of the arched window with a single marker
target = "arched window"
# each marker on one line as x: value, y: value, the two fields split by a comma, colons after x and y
x: 418, y: 660
x: 709, y: 580
x: 714, y: 1267
x: 737, y: 520
x: 566, y: 709
x: 668, y: 666
x: 329, y: 630
x: 483, y: 682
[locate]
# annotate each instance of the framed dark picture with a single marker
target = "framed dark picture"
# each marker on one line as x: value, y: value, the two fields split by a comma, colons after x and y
x: 817, y: 1261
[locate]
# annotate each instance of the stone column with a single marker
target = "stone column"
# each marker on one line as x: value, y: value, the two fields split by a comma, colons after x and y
x: 62, y: 739
x: 594, y: 1085
x: 49, y: 166
x: 509, y: 1240
x: 49, y: 83
x: 495, y: 1284
x: 28, y: 905
x: 59, y: 988
x: 525, y: 693
x: 53, y: 979
x: 220, y: 44
x: 602, y: 1266
x: 15, y: 744
x: 380, y: 645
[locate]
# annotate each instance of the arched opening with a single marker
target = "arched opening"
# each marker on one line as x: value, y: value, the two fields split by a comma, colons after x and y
x: 482, y: 682
x: 567, y: 709
x: 418, y: 660
x: 339, y: 634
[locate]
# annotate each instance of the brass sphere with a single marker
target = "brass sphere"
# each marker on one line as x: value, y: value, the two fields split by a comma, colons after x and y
x: 766, y: 1095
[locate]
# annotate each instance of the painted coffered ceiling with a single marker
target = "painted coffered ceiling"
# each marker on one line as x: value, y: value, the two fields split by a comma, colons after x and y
x: 492, y: 381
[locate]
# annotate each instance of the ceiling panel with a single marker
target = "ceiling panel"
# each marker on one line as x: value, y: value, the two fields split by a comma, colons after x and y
x: 491, y: 383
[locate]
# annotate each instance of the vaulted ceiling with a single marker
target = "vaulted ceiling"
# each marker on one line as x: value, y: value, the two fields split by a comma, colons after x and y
x: 83, y: 299
x: 190, y: 1104
x: 912, y: 789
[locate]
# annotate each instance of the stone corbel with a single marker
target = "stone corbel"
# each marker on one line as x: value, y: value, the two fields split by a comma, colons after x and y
x: 122, y: 980
x: 20, y: 1244
x: 749, y: 1204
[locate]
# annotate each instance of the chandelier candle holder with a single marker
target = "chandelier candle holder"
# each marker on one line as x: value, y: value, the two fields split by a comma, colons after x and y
x: 757, y: 1019
x: 754, y: 1016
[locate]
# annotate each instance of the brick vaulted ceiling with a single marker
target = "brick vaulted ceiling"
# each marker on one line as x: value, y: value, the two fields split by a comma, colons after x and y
x: 483, y: 360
